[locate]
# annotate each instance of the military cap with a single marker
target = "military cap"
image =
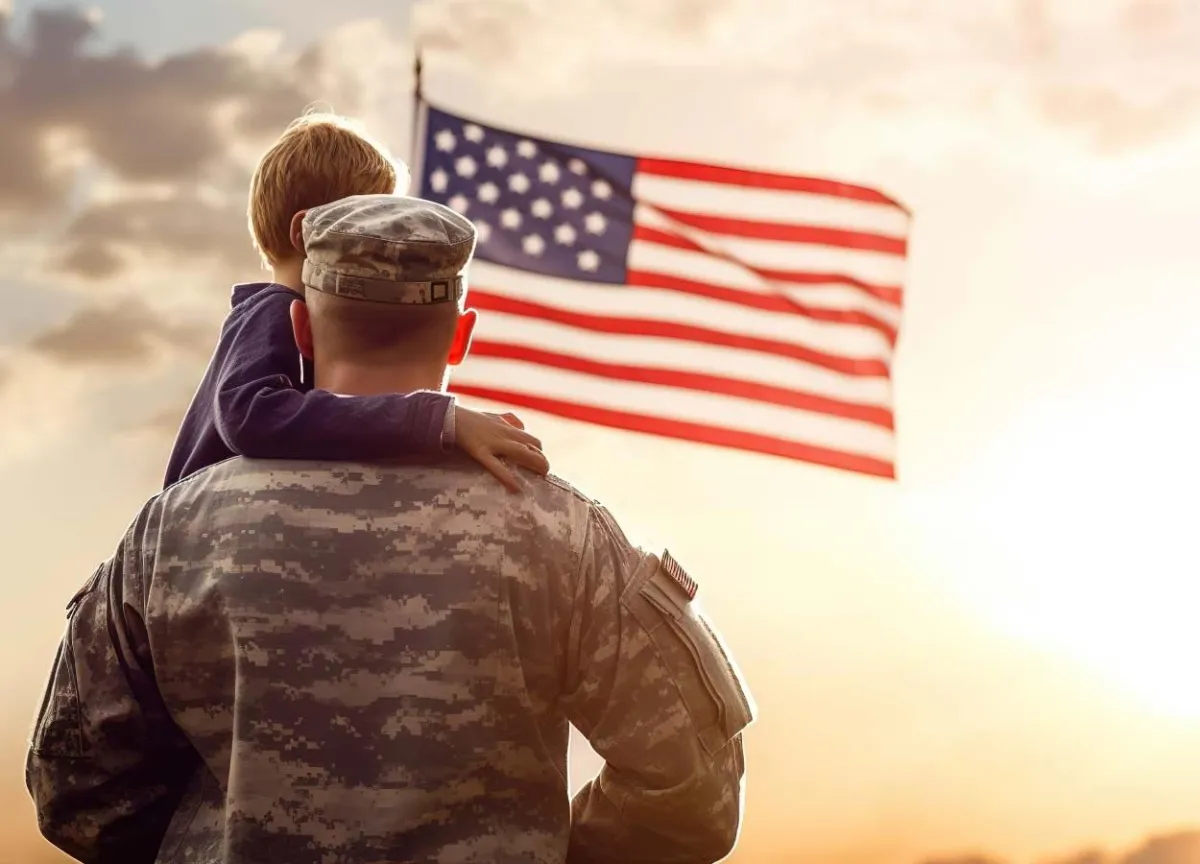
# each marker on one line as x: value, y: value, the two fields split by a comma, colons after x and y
x: 387, y: 248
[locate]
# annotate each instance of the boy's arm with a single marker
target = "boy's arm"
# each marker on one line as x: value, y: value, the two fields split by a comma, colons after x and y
x: 259, y: 412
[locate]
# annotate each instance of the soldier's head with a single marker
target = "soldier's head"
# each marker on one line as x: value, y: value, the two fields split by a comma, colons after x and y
x: 318, y: 159
x: 385, y: 291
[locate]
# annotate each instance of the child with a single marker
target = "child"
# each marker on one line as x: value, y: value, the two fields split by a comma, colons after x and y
x: 256, y: 400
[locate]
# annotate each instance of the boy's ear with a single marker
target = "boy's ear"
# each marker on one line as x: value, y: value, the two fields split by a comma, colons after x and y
x: 302, y: 328
x: 296, y: 232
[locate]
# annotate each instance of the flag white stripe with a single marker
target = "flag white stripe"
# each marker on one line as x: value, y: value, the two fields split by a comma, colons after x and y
x: 682, y: 356
x: 769, y: 205
x: 821, y: 430
x: 874, y: 267
x: 843, y: 340
x: 698, y: 267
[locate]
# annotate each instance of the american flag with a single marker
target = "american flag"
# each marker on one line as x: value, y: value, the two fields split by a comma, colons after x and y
x: 732, y: 307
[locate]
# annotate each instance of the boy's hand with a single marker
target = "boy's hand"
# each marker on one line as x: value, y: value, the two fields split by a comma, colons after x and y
x: 487, y: 437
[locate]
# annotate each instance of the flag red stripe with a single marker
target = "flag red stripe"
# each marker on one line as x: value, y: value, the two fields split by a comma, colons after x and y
x: 765, y: 302
x: 886, y: 293
x: 702, y: 382
x: 811, y: 234
x: 764, y: 180
x: 487, y: 301
x: 668, y: 428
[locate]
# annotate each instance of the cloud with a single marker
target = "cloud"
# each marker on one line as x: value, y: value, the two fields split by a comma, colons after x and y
x: 126, y: 334
x: 1111, y: 76
x: 147, y: 155
x: 49, y: 384
x: 520, y: 36
x: 1117, y: 73
x: 101, y: 241
x: 1089, y: 857
x: 145, y: 121
x: 127, y: 178
x: 40, y: 402
x: 1180, y: 847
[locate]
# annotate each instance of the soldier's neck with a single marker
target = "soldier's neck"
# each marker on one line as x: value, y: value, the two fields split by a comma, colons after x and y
x: 350, y: 379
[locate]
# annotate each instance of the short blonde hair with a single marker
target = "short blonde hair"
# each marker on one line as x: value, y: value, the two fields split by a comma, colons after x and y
x: 318, y: 159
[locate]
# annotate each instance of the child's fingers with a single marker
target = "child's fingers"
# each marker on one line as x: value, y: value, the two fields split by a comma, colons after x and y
x: 527, y: 457
x: 519, y: 436
x: 513, y: 433
x: 494, y: 465
x: 509, y: 418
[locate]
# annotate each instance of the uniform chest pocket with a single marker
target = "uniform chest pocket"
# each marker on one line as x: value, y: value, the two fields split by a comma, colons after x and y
x: 711, y: 687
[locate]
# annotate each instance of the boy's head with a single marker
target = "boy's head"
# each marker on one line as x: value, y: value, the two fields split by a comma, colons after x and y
x: 318, y: 159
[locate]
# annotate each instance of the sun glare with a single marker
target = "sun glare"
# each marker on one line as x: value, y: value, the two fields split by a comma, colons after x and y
x: 1092, y: 533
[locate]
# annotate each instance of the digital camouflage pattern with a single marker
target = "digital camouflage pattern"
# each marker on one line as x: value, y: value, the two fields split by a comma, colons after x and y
x: 388, y: 249
x: 314, y: 663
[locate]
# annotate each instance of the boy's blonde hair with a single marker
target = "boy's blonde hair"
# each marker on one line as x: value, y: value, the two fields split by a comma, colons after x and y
x: 318, y: 159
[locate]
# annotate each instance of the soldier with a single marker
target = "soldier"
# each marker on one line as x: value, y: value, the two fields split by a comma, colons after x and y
x: 346, y: 663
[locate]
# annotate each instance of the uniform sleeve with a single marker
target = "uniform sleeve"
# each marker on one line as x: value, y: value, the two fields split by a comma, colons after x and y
x: 655, y: 691
x: 106, y: 767
x: 261, y: 414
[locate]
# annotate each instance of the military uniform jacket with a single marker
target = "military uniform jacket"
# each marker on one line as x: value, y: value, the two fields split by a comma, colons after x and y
x: 289, y: 662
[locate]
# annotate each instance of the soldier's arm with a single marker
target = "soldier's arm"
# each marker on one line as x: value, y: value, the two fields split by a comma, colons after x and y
x: 106, y: 767
x: 657, y: 695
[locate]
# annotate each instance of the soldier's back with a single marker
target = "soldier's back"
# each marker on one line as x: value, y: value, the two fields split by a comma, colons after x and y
x: 367, y: 659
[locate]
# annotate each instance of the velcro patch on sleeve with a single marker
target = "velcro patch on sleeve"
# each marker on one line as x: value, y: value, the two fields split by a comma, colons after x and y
x: 679, y: 576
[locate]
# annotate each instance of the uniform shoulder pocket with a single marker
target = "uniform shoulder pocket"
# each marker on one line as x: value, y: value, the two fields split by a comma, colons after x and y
x: 58, y: 728
x: 711, y: 686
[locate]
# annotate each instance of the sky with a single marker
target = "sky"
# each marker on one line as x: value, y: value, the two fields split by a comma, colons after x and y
x: 994, y: 656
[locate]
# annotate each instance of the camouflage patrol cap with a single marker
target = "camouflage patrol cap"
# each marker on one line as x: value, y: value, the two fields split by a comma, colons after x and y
x: 387, y: 248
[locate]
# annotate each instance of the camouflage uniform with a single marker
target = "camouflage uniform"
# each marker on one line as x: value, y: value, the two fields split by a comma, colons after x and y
x: 337, y: 663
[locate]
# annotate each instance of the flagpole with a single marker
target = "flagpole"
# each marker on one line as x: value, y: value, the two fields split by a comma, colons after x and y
x: 418, y: 130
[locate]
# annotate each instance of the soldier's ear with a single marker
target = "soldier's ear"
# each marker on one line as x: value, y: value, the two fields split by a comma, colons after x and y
x: 302, y: 328
x: 463, y: 329
x: 296, y: 232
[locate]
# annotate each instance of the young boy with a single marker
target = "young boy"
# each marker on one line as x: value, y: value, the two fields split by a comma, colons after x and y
x: 257, y: 400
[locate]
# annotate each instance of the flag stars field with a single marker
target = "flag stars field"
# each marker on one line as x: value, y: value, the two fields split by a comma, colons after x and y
x: 465, y: 167
x: 497, y: 157
x: 534, y: 245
